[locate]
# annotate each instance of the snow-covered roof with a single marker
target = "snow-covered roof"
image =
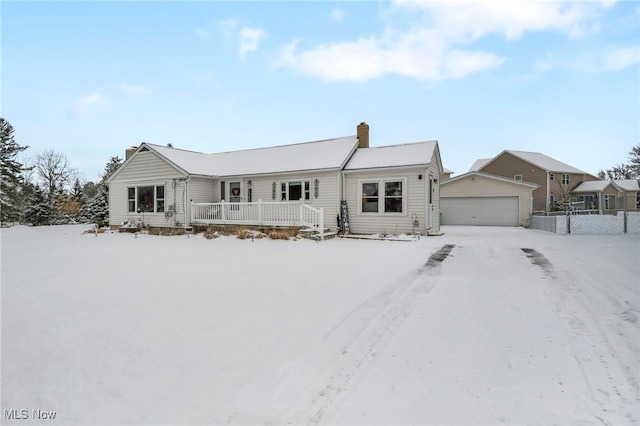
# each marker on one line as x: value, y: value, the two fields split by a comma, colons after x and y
x: 318, y: 155
x: 536, y: 158
x: 545, y: 162
x: 478, y: 164
x: 490, y: 176
x: 595, y: 186
x: 628, y: 184
x: 411, y: 154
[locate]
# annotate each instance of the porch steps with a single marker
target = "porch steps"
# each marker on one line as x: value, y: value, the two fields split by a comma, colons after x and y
x: 312, y: 233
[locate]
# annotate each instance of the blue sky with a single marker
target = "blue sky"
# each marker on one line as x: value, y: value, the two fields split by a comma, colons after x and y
x: 90, y: 79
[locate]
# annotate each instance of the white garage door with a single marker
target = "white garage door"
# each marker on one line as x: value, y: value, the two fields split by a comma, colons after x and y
x: 496, y: 211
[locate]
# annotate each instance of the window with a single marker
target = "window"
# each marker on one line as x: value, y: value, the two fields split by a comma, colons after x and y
x: 391, y: 200
x: 550, y: 176
x: 131, y: 199
x: 370, y: 197
x: 160, y: 198
x: 518, y: 178
x: 638, y: 201
x: 148, y: 199
x: 565, y: 179
x: 295, y: 190
x: 609, y: 201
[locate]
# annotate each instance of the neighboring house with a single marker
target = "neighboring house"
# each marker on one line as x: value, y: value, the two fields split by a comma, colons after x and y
x: 291, y: 185
x: 554, y: 178
x: 600, y: 195
x: 477, y: 198
x: 630, y: 193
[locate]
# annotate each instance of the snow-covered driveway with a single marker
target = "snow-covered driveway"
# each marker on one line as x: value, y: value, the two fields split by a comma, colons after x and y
x: 479, y: 326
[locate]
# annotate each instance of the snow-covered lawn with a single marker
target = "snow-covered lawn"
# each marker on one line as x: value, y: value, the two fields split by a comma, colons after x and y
x: 113, y: 329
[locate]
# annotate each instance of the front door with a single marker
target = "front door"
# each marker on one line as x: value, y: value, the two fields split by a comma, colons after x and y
x: 235, y: 192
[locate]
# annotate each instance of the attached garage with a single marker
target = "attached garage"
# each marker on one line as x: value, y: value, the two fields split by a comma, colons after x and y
x: 496, y: 211
x: 477, y: 198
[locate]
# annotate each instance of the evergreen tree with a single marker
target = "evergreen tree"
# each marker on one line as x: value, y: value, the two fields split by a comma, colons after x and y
x: 10, y: 171
x: 112, y: 165
x: 96, y: 210
x: 634, y: 161
x: 39, y: 210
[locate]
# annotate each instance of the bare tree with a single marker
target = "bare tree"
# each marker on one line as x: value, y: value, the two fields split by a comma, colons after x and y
x: 53, y: 171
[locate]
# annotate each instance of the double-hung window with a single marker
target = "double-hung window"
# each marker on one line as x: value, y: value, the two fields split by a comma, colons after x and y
x: 148, y: 199
x: 566, y: 178
x: 383, y: 196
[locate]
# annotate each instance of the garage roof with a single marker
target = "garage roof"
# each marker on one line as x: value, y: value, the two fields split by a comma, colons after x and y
x: 490, y: 176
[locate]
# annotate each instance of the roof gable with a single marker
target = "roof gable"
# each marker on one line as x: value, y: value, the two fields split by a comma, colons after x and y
x: 411, y: 154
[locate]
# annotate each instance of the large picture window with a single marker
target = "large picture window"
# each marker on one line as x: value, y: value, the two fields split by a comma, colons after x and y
x: 148, y: 199
x: 392, y: 198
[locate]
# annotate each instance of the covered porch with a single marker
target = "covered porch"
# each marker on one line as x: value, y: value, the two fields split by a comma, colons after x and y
x: 260, y: 213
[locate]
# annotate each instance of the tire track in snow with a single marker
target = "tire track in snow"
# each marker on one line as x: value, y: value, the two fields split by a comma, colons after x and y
x: 589, y: 343
x: 360, y: 336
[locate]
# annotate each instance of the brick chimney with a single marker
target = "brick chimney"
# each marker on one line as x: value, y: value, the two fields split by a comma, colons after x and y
x: 363, y: 135
x: 129, y: 152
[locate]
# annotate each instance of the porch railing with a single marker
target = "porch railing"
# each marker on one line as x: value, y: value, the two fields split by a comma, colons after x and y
x: 271, y: 213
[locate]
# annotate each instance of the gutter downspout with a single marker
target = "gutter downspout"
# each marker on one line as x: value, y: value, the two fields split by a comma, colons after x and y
x: 187, y: 207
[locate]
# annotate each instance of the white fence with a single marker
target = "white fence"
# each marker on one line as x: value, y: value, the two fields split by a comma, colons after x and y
x: 277, y: 213
x: 588, y: 224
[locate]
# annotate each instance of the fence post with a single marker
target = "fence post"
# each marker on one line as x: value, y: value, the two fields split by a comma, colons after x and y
x: 223, y: 213
x: 192, y: 213
x: 260, y: 211
x: 321, y: 223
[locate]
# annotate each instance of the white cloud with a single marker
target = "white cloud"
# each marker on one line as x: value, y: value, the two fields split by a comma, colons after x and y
x: 134, y: 90
x: 435, y: 42
x: 418, y: 54
x: 249, y: 39
x: 619, y: 58
x: 84, y: 103
x: 337, y: 14
x: 471, y: 20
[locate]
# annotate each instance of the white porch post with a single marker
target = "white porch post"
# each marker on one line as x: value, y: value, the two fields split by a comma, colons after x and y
x: 301, y: 213
x: 223, y: 213
x: 260, y: 211
x: 321, y: 223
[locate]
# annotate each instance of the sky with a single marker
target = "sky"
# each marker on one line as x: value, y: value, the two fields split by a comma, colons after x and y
x: 90, y: 79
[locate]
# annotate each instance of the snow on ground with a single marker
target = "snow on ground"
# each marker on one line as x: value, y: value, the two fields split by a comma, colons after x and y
x: 465, y: 328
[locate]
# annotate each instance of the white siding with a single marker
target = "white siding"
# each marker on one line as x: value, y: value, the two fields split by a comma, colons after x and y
x: 416, y: 188
x: 145, y: 168
x: 327, y: 197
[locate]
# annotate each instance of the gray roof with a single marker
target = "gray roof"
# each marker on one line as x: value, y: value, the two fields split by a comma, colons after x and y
x: 411, y: 154
x: 595, y: 186
x: 628, y: 184
x: 318, y: 155
x: 478, y: 164
x: 538, y: 159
